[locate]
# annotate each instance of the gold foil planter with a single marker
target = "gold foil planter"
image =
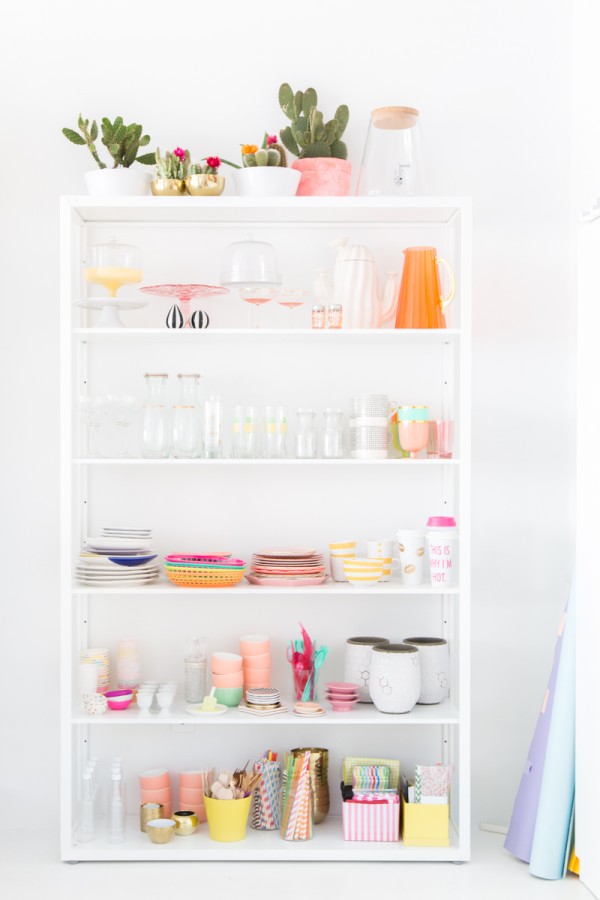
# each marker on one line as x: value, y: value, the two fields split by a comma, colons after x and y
x: 149, y: 811
x: 168, y: 187
x: 206, y: 185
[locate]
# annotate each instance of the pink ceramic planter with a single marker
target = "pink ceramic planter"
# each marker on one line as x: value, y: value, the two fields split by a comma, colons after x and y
x: 323, y: 176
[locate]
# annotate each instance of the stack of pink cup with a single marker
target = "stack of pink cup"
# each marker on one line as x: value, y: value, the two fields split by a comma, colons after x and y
x: 191, y: 792
x: 226, y: 670
x: 255, y: 650
x: 155, y: 787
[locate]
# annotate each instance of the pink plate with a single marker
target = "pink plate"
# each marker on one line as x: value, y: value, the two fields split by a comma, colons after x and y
x: 289, y: 581
x: 342, y: 687
x: 341, y: 707
x: 286, y: 552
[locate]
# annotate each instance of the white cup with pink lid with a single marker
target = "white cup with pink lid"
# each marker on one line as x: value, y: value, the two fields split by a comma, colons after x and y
x: 442, y: 539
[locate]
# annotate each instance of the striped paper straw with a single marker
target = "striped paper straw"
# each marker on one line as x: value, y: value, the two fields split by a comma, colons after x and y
x: 302, y: 763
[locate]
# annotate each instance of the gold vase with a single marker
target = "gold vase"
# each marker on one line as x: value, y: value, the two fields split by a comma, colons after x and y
x: 205, y: 185
x: 319, y: 762
x: 168, y: 187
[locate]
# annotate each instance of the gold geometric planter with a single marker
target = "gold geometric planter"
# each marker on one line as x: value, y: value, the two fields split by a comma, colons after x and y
x: 168, y: 187
x: 205, y: 185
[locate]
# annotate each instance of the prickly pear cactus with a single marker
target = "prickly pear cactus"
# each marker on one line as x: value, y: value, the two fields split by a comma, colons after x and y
x: 308, y: 135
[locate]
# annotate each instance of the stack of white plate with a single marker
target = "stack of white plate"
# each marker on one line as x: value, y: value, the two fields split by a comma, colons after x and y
x: 369, y: 433
x: 118, y: 557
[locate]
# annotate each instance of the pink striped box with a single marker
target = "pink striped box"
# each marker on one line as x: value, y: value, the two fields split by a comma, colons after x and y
x: 372, y: 819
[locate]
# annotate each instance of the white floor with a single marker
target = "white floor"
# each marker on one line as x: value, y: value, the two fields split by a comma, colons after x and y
x: 29, y: 868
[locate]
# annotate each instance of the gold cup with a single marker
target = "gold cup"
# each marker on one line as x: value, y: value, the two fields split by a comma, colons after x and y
x: 168, y: 187
x: 186, y: 822
x: 205, y: 185
x: 160, y: 831
x: 149, y: 811
x: 319, y: 762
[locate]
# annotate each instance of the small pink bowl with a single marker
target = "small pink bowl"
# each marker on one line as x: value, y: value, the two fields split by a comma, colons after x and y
x: 162, y: 795
x: 254, y: 644
x: 154, y: 779
x: 225, y: 663
x: 118, y: 699
x: 252, y: 685
x: 260, y: 661
x: 341, y: 706
x: 232, y: 680
x: 190, y: 795
x: 192, y: 779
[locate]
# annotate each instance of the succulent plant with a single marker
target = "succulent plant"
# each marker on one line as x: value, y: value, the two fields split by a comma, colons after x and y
x: 270, y: 153
x: 210, y: 165
x: 173, y: 165
x: 309, y: 135
x: 122, y: 141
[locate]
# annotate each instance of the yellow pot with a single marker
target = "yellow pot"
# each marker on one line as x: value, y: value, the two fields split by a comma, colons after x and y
x: 227, y: 819
x: 205, y: 185
x: 168, y: 187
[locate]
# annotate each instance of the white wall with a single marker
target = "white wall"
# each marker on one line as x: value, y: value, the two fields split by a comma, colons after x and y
x: 492, y: 82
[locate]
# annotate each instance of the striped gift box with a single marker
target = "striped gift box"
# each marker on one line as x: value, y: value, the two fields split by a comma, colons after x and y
x: 372, y: 820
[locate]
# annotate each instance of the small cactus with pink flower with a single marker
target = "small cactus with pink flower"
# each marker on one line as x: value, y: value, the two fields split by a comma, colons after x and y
x: 173, y: 165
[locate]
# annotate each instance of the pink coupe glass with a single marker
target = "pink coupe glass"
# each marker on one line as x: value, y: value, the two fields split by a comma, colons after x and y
x: 412, y: 437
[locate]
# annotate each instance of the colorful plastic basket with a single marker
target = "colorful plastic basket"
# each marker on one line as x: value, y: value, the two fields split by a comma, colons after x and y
x: 204, y: 576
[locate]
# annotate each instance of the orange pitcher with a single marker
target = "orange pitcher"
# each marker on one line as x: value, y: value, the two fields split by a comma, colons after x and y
x: 420, y: 304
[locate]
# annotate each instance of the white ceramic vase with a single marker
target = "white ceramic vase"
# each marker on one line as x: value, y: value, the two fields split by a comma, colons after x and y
x: 357, y: 664
x: 435, y: 668
x: 266, y: 181
x: 119, y: 182
x: 395, y: 682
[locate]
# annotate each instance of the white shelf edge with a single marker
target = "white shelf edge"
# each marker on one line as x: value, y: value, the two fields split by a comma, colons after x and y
x: 444, y: 713
x: 330, y: 589
x: 327, y: 844
x: 398, y: 334
x: 116, y: 461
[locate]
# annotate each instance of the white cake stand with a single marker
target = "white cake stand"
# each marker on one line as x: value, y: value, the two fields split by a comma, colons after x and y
x: 110, y: 309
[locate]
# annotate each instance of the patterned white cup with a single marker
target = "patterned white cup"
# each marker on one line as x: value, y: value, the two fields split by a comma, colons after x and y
x: 357, y: 664
x: 395, y: 681
x: 435, y: 668
x: 383, y: 547
x: 336, y: 564
x: 411, y: 547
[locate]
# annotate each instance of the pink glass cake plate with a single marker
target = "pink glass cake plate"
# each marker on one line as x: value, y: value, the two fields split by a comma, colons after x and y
x: 185, y: 293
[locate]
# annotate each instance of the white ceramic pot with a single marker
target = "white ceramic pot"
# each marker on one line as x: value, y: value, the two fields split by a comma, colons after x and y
x: 357, y: 664
x: 435, y: 668
x: 120, y: 182
x: 395, y: 682
x: 266, y: 181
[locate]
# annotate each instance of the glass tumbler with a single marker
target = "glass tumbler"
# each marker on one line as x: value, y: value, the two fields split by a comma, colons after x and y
x: 212, y: 428
x: 274, y: 432
x: 186, y: 419
x: 154, y: 436
x: 333, y: 435
x: 306, y: 434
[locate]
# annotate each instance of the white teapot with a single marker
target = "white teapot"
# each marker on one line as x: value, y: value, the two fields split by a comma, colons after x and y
x: 355, y: 287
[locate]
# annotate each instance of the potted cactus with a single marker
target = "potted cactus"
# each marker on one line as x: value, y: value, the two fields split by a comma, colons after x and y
x: 317, y: 144
x: 171, y: 171
x: 123, y: 143
x: 204, y: 179
x: 264, y: 170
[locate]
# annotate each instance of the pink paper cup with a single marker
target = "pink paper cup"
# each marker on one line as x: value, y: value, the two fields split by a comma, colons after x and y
x: 163, y: 795
x: 260, y: 661
x: 225, y: 663
x: 193, y: 778
x: 232, y: 680
x: 254, y: 644
x: 153, y: 779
